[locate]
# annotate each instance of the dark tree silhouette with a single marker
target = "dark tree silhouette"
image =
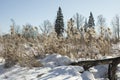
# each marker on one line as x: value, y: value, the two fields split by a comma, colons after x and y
x: 91, y: 21
x: 59, y: 23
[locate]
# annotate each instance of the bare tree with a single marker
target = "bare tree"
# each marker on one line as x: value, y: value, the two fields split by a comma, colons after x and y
x: 15, y: 27
x: 30, y: 31
x: 101, y: 22
x: 12, y: 30
x: 116, y: 26
x: 46, y: 27
x: 79, y: 20
x: 114, y: 29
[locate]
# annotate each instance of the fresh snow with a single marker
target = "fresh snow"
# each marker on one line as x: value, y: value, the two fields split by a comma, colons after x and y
x: 54, y: 60
x: 88, y: 75
x: 63, y: 73
x: 55, y: 67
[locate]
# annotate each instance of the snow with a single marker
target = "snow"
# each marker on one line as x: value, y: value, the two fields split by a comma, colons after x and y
x: 62, y: 73
x: 20, y: 73
x: 102, y: 71
x: 93, y: 70
x: 54, y: 60
x: 116, y: 46
x: 88, y: 76
x: 55, y: 67
x: 116, y: 49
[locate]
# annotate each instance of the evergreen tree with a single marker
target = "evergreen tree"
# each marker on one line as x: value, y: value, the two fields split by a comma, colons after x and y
x: 91, y: 21
x: 59, y: 24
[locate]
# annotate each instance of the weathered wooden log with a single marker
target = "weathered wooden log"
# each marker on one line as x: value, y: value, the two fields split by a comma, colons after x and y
x: 112, y: 69
x: 113, y: 62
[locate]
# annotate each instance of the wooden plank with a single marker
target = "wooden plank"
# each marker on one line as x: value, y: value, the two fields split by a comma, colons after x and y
x: 113, y: 62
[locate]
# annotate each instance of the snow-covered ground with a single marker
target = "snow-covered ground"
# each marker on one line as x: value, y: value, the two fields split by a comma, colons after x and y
x: 55, y: 67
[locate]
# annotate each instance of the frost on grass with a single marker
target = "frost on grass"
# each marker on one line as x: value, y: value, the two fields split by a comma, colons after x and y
x: 76, y: 46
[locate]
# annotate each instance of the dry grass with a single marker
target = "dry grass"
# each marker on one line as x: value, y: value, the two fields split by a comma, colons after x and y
x: 14, y: 52
x: 77, y: 44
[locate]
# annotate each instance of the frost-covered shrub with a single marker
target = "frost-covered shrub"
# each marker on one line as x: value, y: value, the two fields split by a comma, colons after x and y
x: 30, y: 32
x: 77, y: 44
x: 15, y: 52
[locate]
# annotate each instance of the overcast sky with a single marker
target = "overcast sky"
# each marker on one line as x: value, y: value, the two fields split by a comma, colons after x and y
x: 36, y: 11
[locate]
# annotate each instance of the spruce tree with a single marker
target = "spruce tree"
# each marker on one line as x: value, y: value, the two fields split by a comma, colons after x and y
x: 59, y: 24
x: 91, y: 21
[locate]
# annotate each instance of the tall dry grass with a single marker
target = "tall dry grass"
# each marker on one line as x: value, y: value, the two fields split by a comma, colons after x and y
x: 77, y: 44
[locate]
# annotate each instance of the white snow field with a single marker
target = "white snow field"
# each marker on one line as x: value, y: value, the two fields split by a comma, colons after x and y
x: 55, y: 68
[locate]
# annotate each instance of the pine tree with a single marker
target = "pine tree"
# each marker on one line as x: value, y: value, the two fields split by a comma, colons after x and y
x: 59, y: 24
x: 91, y: 21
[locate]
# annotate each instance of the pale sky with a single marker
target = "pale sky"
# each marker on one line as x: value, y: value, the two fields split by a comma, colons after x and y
x: 36, y: 11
